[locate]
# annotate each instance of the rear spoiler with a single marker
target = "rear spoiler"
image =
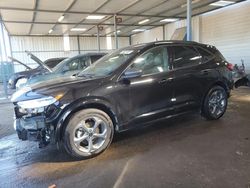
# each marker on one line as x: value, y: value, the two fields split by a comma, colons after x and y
x: 36, y: 59
x: 15, y: 60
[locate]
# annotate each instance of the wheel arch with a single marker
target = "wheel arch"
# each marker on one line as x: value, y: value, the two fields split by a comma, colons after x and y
x: 218, y: 83
x: 63, y: 121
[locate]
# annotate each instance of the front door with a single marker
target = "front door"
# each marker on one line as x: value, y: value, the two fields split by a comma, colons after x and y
x: 151, y: 93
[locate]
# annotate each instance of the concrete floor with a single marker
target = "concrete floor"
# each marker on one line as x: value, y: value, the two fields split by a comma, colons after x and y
x: 184, y: 152
x: 6, y: 119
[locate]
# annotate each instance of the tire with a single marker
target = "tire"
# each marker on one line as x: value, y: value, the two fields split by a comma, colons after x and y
x: 215, y: 103
x: 88, y: 133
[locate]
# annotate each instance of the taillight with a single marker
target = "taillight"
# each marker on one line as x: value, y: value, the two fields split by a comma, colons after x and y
x: 230, y: 66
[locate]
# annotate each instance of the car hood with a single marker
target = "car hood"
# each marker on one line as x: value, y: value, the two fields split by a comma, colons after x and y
x: 53, y: 87
x: 26, y: 73
x: 38, y: 61
x: 21, y: 63
x: 50, y: 76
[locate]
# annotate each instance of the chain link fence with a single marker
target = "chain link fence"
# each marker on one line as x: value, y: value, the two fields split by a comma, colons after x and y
x: 6, y: 70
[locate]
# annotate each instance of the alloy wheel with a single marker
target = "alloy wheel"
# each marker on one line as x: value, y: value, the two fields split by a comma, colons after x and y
x: 90, y: 134
x: 217, y: 103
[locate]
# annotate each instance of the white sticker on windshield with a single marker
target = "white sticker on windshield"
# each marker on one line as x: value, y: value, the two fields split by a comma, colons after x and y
x: 126, y: 52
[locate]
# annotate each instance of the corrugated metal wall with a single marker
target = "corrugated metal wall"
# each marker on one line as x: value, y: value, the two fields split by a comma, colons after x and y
x: 148, y: 36
x: 48, y: 47
x: 157, y: 33
x: 170, y: 28
x: 227, y: 28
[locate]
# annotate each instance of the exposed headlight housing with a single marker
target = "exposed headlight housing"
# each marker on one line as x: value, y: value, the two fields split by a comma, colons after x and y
x: 21, y: 82
x: 37, y: 103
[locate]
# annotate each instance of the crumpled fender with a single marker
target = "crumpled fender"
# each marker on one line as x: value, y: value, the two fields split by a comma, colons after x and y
x: 244, y: 81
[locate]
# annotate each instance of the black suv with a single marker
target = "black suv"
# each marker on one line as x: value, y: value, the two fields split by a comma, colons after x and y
x: 129, y: 87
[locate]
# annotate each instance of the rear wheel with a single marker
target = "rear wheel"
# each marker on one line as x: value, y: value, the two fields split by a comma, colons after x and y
x: 89, y: 133
x: 215, y: 103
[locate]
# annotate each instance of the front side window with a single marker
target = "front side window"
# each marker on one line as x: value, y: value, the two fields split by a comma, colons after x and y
x: 185, y: 56
x: 68, y: 64
x: 84, y: 62
x: 73, y: 65
x: 153, y: 61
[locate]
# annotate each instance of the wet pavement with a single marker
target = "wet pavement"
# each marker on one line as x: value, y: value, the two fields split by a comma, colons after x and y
x: 183, y: 152
x: 6, y: 119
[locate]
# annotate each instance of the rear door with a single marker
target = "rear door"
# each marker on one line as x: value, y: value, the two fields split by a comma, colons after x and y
x: 187, y: 66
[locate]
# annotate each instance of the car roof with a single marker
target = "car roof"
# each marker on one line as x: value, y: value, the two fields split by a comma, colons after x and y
x: 54, y: 58
x: 90, y: 54
x: 180, y: 42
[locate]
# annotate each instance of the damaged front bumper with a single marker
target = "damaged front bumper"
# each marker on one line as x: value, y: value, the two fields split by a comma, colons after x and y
x: 36, y: 124
x: 29, y: 128
x: 33, y: 129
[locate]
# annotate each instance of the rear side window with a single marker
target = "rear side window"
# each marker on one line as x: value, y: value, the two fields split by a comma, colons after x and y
x: 185, y: 56
x: 206, y: 55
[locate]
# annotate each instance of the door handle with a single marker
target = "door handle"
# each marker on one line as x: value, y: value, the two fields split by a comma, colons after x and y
x: 205, y: 72
x: 164, y: 80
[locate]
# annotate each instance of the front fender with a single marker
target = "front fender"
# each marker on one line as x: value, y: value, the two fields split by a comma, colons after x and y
x: 88, y: 102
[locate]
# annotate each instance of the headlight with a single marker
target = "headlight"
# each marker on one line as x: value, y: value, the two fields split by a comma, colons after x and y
x: 37, y: 103
x: 10, y: 81
x: 21, y: 82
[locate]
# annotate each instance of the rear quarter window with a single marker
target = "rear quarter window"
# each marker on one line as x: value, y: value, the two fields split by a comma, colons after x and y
x: 206, y: 55
x: 217, y: 54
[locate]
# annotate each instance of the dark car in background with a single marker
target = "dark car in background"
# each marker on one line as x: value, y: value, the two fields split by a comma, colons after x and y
x: 132, y: 86
x: 67, y: 67
x: 21, y: 77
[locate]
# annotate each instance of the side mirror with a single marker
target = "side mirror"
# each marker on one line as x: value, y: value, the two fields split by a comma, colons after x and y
x: 132, y: 74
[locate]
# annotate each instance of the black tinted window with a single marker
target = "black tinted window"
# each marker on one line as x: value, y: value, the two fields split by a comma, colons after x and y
x: 217, y: 54
x: 206, y: 55
x: 153, y: 61
x: 84, y: 62
x: 184, y: 56
x: 95, y: 58
x: 53, y: 63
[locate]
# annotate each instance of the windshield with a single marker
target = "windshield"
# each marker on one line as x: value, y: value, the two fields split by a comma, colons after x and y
x: 109, y: 63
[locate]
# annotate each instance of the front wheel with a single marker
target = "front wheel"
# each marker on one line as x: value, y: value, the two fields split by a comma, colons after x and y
x: 215, y: 103
x: 88, y: 133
